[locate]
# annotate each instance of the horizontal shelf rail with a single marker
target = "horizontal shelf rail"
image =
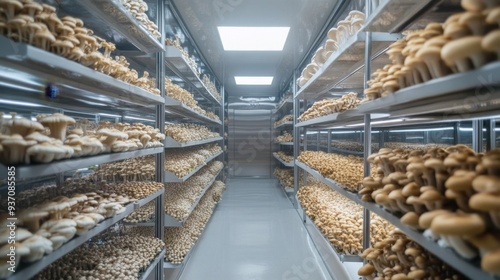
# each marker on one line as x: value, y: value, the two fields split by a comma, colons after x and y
x: 171, y: 143
x: 152, y: 266
x: 171, y: 178
x: 284, y: 124
x: 175, y: 107
x: 287, y: 164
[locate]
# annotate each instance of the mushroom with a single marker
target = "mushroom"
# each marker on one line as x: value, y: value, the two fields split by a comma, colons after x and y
x: 83, y: 224
x: 111, y: 137
x: 494, y: 16
x: 455, y: 30
x: 476, y: 22
x: 431, y: 55
x: 485, y: 242
x: 491, y: 42
x: 454, y: 227
x: 490, y: 262
x: 10, y: 7
x: 38, y: 246
x: 43, y: 39
x: 464, y: 54
x: 21, y: 234
x: 487, y: 202
x: 30, y: 218
x: 410, y: 219
x: 459, y: 188
x: 14, y: 149
x: 425, y: 221
x: 23, y: 126
x: 57, y: 124
x: 367, y: 271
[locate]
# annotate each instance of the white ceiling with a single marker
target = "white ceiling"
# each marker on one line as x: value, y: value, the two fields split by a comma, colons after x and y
x: 306, y: 19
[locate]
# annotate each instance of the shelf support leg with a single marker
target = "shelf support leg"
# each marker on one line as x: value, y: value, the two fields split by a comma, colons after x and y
x: 477, y: 135
x: 329, y: 141
x: 296, y: 142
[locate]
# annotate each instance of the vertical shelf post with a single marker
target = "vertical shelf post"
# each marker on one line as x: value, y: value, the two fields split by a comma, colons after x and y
x: 296, y: 136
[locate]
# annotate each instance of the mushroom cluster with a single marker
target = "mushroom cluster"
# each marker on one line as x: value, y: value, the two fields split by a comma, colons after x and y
x: 185, y: 97
x: 286, y: 179
x: 179, y: 240
x: 39, y: 25
x: 452, y: 194
x: 345, y: 170
x: 356, y: 146
x: 337, y: 36
x: 134, y: 169
x: 352, y: 145
x: 465, y: 41
x: 397, y: 257
x: 340, y: 219
x: 190, y: 61
x: 186, y: 132
x: 182, y: 161
x: 48, y: 139
x: 211, y: 87
x: 133, y: 190
x: 117, y: 257
x: 329, y: 106
x: 287, y: 118
x: 285, y: 137
x: 284, y: 156
x: 138, y: 8
x: 142, y: 215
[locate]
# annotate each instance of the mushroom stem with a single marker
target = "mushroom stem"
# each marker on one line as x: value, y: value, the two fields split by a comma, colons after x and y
x: 460, y: 246
x: 495, y: 218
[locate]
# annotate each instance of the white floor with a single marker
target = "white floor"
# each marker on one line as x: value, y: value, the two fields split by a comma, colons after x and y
x: 254, y: 234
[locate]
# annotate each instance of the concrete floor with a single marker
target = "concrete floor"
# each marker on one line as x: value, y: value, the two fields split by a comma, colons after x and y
x: 254, y: 234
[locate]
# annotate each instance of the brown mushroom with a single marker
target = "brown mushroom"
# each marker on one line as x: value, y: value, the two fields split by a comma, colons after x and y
x: 464, y: 54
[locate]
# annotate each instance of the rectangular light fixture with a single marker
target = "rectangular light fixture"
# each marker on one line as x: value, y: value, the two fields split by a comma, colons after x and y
x: 239, y: 38
x: 254, y: 80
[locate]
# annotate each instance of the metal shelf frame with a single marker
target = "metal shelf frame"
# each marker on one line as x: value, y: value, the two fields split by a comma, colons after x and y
x: 287, y: 102
x: 287, y: 164
x: 177, y: 108
x: 171, y: 178
x: 157, y: 260
x: 32, y: 269
x: 171, y: 143
x: 284, y: 124
x: 39, y: 170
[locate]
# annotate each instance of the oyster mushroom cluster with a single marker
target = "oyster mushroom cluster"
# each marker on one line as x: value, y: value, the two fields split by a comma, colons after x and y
x: 465, y: 41
x: 285, y: 137
x: 134, y: 169
x: 39, y: 25
x: 187, y: 132
x: 345, y: 170
x: 330, y: 106
x: 339, y: 218
x: 287, y: 118
x: 23, y: 141
x: 396, y: 257
x: 451, y: 194
x: 117, y: 257
x: 190, y: 61
x: 211, y: 87
x: 185, y: 97
x: 179, y: 240
x: 138, y: 8
x: 336, y: 37
x: 284, y: 156
x: 133, y: 190
x: 352, y: 145
x: 182, y: 161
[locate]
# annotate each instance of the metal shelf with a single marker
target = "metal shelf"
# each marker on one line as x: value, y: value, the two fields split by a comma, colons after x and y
x: 288, y: 101
x: 176, y: 62
x: 113, y: 20
x: 342, y: 118
x: 345, y: 152
x: 394, y: 15
x: 459, y: 95
x: 171, y: 178
x: 334, y: 261
x: 171, y: 143
x: 468, y: 268
x: 342, y: 63
x: 284, y: 124
x: 39, y: 170
x: 287, y: 164
x: 153, y: 265
x: 168, y: 265
x: 175, y: 107
x: 285, y: 143
x: 27, y: 271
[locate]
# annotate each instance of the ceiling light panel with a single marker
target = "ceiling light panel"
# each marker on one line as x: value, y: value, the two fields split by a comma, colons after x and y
x: 253, y: 80
x: 236, y: 38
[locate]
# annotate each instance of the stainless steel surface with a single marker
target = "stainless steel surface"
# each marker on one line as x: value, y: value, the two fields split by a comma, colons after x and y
x: 176, y: 62
x: 114, y: 23
x: 171, y: 178
x: 202, y: 17
x: 175, y: 107
x: 145, y: 275
x: 39, y: 170
x: 287, y: 164
x: 343, y: 62
x: 249, y: 237
x: 477, y: 136
x: 250, y: 143
x: 29, y: 270
x: 329, y: 141
x: 171, y: 143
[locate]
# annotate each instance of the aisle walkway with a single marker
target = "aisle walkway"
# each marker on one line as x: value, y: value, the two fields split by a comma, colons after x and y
x: 254, y: 234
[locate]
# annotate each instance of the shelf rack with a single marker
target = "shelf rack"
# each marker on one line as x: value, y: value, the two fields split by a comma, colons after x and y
x: 171, y: 178
x: 344, y: 118
x: 468, y: 268
x: 173, y: 106
x: 178, y: 64
x: 287, y: 164
x: 114, y: 20
x: 39, y: 170
x: 285, y: 143
x: 284, y: 124
x: 284, y: 104
x: 171, y: 143
x: 30, y: 270
x: 342, y: 63
x: 154, y: 263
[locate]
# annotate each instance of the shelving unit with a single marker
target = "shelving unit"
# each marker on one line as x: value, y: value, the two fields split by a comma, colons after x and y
x: 30, y: 270
x: 171, y: 178
x: 285, y: 143
x: 173, y: 106
x: 145, y: 275
x: 284, y: 124
x: 283, y: 105
x: 171, y: 143
x: 287, y: 164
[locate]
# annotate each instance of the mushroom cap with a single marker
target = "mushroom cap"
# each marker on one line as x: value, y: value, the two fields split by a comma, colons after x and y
x: 425, y: 220
x: 38, y: 137
x: 460, y: 181
x: 32, y: 214
x: 473, y: 5
x: 366, y: 270
x: 21, y: 234
x: 491, y: 42
x: 461, y: 48
x: 458, y: 224
x: 84, y: 221
x: 493, y: 16
x: 431, y: 195
x: 20, y: 249
x: 485, y: 202
x: 112, y: 133
x: 491, y: 261
x: 417, y: 274
x: 488, y: 241
x: 411, y: 189
x: 57, y: 118
x: 410, y: 219
x: 19, y: 124
x: 486, y: 183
